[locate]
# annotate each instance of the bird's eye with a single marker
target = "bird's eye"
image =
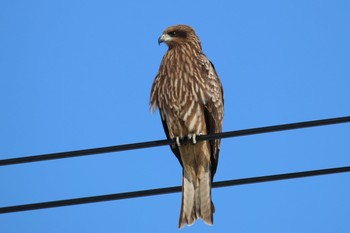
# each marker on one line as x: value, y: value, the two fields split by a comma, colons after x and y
x: 173, y: 33
x: 178, y: 34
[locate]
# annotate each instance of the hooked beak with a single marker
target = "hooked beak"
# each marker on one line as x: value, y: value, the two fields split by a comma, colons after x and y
x: 163, y: 38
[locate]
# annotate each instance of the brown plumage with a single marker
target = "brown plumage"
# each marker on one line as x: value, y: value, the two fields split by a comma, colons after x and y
x: 189, y: 95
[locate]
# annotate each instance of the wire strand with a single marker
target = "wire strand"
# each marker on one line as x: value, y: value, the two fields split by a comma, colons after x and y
x: 141, y: 145
x: 160, y: 191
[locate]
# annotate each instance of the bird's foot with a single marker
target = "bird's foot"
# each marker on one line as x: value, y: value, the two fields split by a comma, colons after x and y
x: 177, y: 139
x: 193, y: 137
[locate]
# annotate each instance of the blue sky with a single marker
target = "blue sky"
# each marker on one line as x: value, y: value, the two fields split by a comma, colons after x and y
x: 77, y: 75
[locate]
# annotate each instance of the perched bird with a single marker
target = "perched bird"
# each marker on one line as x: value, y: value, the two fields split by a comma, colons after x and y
x: 189, y: 95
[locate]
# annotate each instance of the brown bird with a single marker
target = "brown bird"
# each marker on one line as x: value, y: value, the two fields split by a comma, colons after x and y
x: 189, y: 95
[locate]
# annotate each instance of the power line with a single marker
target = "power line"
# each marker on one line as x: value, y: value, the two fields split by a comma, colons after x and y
x: 133, y: 146
x: 160, y: 191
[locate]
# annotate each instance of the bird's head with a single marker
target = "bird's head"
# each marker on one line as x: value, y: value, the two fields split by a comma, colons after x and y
x: 178, y: 35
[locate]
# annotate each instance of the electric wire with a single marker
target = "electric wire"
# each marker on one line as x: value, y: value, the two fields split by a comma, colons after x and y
x: 141, y: 145
x: 168, y: 190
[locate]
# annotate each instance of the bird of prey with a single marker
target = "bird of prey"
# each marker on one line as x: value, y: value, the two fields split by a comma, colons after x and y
x: 189, y: 95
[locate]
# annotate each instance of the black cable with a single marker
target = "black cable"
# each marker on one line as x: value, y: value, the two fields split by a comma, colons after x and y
x: 152, y: 192
x: 133, y: 146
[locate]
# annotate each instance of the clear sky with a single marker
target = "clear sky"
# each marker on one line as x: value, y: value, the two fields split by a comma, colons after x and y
x: 77, y: 75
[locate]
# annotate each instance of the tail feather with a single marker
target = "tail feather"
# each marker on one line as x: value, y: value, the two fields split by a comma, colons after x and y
x: 188, y: 202
x: 196, y: 201
x: 206, y: 210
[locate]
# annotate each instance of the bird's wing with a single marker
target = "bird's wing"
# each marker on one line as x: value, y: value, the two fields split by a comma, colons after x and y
x: 174, y: 148
x: 213, y: 111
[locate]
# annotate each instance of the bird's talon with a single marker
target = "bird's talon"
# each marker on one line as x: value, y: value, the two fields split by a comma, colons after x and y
x: 177, y: 139
x: 194, y: 136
